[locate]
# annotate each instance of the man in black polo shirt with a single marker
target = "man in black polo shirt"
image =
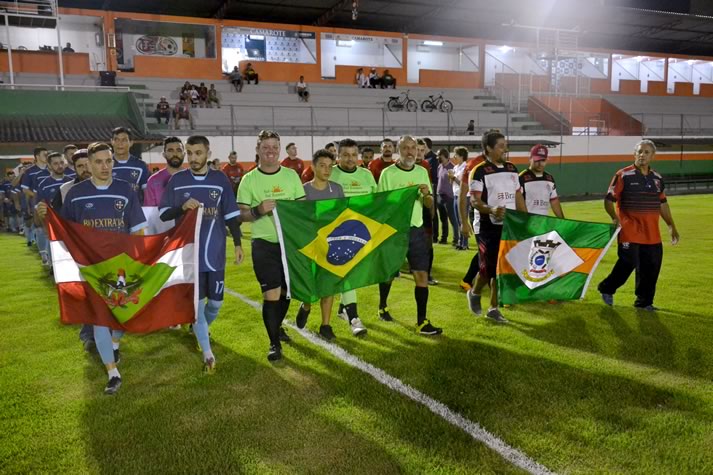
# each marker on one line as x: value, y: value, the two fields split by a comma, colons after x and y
x: 495, y: 186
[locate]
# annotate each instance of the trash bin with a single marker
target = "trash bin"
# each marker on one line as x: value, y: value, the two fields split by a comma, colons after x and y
x: 107, y: 78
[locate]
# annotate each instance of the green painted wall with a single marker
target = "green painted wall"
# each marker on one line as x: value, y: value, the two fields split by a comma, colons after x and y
x: 39, y: 103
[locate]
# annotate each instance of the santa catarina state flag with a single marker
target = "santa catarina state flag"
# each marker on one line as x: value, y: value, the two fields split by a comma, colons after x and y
x: 548, y: 258
x: 133, y: 283
x: 331, y: 246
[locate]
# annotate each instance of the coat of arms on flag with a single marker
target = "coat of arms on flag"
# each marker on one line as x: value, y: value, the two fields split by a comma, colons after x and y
x: 134, y: 283
x: 548, y: 258
x: 331, y: 246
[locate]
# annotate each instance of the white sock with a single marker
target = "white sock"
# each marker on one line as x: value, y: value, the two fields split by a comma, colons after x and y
x: 208, y: 355
x: 114, y: 373
x: 114, y: 345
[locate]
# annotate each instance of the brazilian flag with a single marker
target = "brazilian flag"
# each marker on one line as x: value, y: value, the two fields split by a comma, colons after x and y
x: 332, y: 246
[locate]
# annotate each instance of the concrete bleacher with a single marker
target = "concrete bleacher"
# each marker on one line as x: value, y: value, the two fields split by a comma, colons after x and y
x: 668, y: 115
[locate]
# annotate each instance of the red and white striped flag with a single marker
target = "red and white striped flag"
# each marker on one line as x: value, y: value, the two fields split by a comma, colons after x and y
x: 135, y: 283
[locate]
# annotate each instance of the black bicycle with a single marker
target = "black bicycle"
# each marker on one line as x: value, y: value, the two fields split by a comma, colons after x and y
x: 401, y: 102
x: 437, y: 103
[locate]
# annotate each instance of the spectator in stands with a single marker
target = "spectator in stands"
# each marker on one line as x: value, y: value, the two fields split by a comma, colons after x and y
x: 186, y: 89
x: 182, y: 111
x: 387, y: 80
x: 202, y: 94
x: 470, y: 129
x: 236, y: 79
x: 374, y: 79
x: 292, y: 160
x: 68, y: 48
x: 213, y: 97
x: 302, y: 91
x: 193, y: 96
x: 163, y: 110
x: 233, y: 170
x: 361, y: 79
x: 367, y: 155
x: 251, y: 74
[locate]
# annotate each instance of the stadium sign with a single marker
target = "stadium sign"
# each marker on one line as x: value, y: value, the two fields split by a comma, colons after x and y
x: 157, y: 45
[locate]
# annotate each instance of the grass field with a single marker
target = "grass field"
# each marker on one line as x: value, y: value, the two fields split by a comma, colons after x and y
x: 579, y: 387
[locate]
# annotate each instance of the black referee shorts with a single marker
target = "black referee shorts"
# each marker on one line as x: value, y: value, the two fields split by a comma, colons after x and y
x: 418, y: 252
x: 488, y: 247
x: 267, y: 264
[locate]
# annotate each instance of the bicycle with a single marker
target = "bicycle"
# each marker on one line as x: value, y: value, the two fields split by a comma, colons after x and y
x: 401, y: 102
x: 431, y: 104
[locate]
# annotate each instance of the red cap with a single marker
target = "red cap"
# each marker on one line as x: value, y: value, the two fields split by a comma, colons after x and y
x: 538, y: 152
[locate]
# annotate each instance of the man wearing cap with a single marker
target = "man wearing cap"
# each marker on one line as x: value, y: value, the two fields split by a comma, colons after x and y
x: 163, y: 110
x: 538, y: 186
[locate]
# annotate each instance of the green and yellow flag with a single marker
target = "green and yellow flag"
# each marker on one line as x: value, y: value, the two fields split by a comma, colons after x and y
x: 548, y: 258
x: 332, y: 246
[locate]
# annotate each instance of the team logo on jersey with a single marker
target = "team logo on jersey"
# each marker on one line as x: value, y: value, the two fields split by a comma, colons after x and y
x: 277, y: 189
x: 119, y: 205
x: 118, y: 292
x: 657, y: 184
x: 134, y: 174
x: 89, y: 205
x: 214, y: 194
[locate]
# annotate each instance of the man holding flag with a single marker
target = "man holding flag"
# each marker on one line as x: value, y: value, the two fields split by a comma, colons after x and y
x: 405, y: 173
x: 190, y: 189
x: 110, y: 205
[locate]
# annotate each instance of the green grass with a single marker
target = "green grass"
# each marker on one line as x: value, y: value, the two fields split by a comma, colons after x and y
x: 577, y: 386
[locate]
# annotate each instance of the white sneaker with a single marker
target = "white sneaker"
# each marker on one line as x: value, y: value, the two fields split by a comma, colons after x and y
x: 358, y: 327
x: 344, y: 315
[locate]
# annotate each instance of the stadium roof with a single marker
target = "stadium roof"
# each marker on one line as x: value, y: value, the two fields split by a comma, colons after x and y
x: 667, y: 26
x: 65, y: 129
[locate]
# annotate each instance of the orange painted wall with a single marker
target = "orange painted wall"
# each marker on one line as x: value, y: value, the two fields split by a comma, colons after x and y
x: 41, y: 62
x: 462, y: 79
x: 347, y: 74
x: 707, y: 90
x: 159, y: 66
x: 683, y: 89
x: 630, y: 86
x: 579, y: 112
x: 656, y: 88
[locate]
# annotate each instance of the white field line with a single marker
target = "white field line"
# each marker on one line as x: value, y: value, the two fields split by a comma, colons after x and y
x: 511, y: 454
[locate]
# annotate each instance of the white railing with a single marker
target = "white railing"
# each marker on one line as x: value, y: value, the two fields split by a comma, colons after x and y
x: 59, y: 87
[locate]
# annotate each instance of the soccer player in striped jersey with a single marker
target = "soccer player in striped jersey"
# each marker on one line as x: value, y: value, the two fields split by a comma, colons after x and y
x: 538, y: 186
x: 494, y: 187
x: 201, y: 185
x: 108, y: 204
x: 126, y: 166
x: 28, y: 183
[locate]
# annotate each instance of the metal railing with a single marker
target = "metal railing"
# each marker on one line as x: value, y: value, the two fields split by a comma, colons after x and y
x: 59, y: 87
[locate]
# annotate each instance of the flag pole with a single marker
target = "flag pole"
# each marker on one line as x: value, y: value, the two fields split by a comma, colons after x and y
x: 599, y: 259
x: 282, y: 252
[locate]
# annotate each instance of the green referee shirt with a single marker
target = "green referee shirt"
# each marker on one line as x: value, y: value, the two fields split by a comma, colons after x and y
x: 258, y: 186
x: 360, y: 181
x: 393, y: 178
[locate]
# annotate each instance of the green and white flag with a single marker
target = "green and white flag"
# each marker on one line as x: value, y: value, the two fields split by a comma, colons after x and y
x: 548, y: 258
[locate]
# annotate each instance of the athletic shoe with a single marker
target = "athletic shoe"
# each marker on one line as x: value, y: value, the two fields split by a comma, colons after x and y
x: 648, y: 308
x: 443, y: 241
x: 608, y: 299
x: 175, y: 327
x: 358, y: 327
x: 117, y: 356
x: 29, y: 244
x: 432, y: 281
x: 325, y: 331
x: 343, y: 314
x: 112, y: 386
x: 284, y: 337
x: 275, y: 353
x: 474, y: 303
x: 385, y: 315
x: 89, y: 346
x: 495, y: 315
x: 301, y: 318
x: 464, y: 285
x: 209, y: 366
x: 427, y: 329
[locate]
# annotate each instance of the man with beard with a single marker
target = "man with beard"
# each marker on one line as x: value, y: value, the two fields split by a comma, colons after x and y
x: 257, y: 193
x: 233, y: 170
x: 126, y: 166
x: 376, y: 166
x: 403, y: 174
x: 367, y: 155
x: 189, y: 189
x: 156, y: 184
x: 68, y: 151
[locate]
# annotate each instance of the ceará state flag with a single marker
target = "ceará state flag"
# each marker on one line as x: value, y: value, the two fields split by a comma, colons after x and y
x: 135, y: 283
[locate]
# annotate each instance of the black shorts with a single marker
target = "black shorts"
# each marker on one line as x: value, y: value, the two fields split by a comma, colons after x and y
x: 488, y: 247
x: 418, y: 252
x: 211, y: 285
x: 267, y: 264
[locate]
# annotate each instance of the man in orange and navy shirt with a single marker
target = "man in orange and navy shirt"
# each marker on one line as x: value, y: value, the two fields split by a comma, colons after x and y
x: 638, y: 191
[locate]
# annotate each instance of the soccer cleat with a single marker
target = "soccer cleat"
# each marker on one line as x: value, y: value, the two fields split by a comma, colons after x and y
x: 432, y: 281
x: 608, y: 299
x: 427, y: 329
x: 648, y: 308
x: 209, y: 366
x: 117, y: 356
x: 495, y: 315
x: 301, y: 318
x: 275, y: 353
x: 112, y: 386
x: 464, y: 285
x: 474, y: 303
x: 325, y: 331
x: 358, y: 327
x: 385, y: 315
x: 284, y: 337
